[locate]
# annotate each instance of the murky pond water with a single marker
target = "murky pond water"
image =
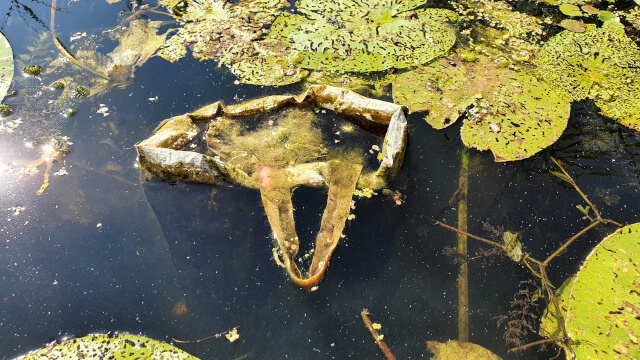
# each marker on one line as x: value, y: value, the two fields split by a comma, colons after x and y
x: 100, y: 252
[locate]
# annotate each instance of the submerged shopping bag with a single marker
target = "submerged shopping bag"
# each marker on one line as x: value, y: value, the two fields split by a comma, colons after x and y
x: 277, y: 143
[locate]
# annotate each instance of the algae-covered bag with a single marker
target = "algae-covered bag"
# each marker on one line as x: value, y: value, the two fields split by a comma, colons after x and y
x: 277, y: 143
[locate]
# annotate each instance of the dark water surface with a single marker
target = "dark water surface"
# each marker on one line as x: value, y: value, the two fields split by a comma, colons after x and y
x: 99, y: 252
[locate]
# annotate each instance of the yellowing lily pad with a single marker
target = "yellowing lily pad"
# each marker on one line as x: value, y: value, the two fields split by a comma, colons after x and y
x: 514, y: 114
x: 602, y: 64
x: 603, y: 306
x: 6, y: 66
x: 520, y: 119
x: 347, y: 35
x: 117, y: 347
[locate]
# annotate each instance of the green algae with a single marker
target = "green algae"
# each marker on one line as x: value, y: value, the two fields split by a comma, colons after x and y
x: 284, y: 140
x: 269, y: 63
x: 497, y: 30
x: 367, y: 84
x: 217, y: 28
x: 600, y: 64
x: 118, y: 347
x: 378, y: 35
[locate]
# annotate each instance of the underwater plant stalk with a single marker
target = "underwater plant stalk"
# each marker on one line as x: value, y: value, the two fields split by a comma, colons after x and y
x: 376, y: 336
x: 565, y: 341
x: 463, y: 274
x: 64, y: 50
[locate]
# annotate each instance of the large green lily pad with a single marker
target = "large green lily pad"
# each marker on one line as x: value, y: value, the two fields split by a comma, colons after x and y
x: 6, y: 66
x: 118, y: 347
x: 603, y: 306
x: 350, y: 35
x: 514, y: 114
x: 602, y: 64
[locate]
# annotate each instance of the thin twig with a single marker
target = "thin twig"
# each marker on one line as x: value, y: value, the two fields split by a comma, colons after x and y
x: 472, y: 236
x: 575, y: 186
x: 377, y: 337
x: 565, y: 245
x: 539, y: 342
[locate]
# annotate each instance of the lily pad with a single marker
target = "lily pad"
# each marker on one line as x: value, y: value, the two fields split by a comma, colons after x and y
x: 570, y: 10
x: 118, y: 346
x: 457, y: 350
x: 521, y: 119
x: 6, y: 66
x: 601, y: 64
x: 574, y: 25
x: 603, y: 307
x: 378, y: 35
x: 550, y: 322
x: 514, y: 114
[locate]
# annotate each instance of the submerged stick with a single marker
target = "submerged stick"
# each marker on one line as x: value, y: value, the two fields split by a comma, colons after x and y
x: 463, y: 273
x: 376, y: 336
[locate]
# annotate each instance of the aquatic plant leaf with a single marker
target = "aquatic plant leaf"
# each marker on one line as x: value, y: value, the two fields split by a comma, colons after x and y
x: 521, y: 118
x: 514, y: 114
x: 214, y: 26
x: 573, y: 25
x: 589, y: 9
x: 513, y: 246
x: 550, y: 322
x: 350, y: 36
x: 604, y: 299
x: 446, y: 89
x: 454, y: 349
x: 118, y: 347
x: 601, y: 64
x: 570, y: 10
x: 6, y: 66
